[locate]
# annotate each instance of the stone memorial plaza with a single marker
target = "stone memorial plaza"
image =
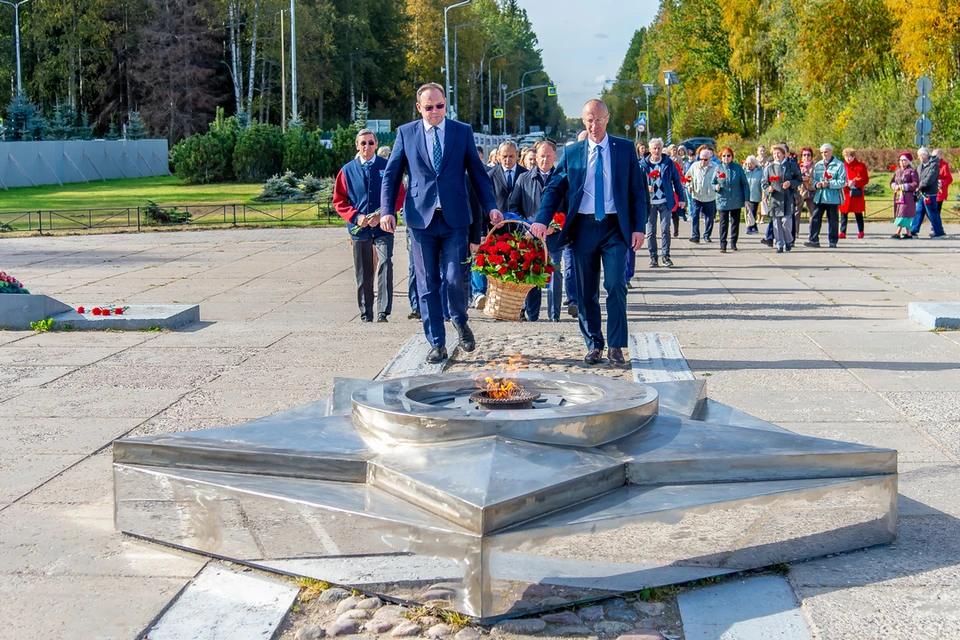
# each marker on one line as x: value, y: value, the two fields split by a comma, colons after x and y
x: 817, y: 342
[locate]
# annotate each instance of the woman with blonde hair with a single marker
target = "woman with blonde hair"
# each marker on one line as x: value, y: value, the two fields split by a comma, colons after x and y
x: 853, y: 202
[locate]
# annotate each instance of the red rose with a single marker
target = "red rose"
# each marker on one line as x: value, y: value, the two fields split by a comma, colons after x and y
x: 536, y: 269
x: 514, y: 255
x: 480, y: 261
x: 96, y: 311
x: 526, y: 265
x: 722, y: 175
x: 118, y: 311
x: 521, y: 276
x: 513, y: 265
x: 503, y: 247
x: 502, y: 271
x: 80, y: 310
x: 655, y: 174
x: 549, y: 268
x: 560, y: 218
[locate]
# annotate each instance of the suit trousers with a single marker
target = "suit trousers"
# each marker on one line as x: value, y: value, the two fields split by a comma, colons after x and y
x: 363, y: 249
x: 658, y: 218
x: 846, y: 216
x: 439, y: 253
x: 833, y: 219
x: 597, y: 244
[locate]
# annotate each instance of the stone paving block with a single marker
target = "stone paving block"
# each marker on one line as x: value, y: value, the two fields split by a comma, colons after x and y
x: 935, y: 315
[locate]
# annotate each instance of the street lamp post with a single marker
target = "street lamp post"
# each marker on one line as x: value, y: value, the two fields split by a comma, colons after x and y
x: 16, y: 28
x: 670, y: 78
x: 293, y: 60
x: 503, y: 106
x: 490, y: 88
x: 456, y: 76
x: 446, y: 46
x: 523, y: 102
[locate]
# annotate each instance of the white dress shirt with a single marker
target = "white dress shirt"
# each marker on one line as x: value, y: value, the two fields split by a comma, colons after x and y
x: 587, y: 203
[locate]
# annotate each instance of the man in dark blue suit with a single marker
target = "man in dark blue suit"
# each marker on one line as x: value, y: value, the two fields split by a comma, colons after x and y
x: 435, y: 153
x: 607, y: 214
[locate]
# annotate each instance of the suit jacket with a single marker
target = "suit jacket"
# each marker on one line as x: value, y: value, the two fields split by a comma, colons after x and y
x: 569, y: 178
x: 526, y: 197
x: 501, y: 192
x: 410, y: 155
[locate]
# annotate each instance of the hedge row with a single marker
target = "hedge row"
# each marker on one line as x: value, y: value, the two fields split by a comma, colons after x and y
x: 231, y: 153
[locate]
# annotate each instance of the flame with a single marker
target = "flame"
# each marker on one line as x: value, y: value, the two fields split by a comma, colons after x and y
x: 502, y: 384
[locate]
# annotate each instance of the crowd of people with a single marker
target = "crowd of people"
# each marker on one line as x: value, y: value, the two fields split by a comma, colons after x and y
x: 449, y: 212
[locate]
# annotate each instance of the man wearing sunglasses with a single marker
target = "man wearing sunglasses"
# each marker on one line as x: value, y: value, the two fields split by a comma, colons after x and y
x: 356, y: 197
x: 435, y: 153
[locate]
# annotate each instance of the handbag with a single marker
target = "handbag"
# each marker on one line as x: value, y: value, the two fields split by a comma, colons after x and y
x: 855, y: 192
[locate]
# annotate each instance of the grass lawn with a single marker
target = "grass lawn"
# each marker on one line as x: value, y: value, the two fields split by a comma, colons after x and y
x: 133, y: 192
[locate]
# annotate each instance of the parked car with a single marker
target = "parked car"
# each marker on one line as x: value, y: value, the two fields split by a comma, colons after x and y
x: 693, y: 143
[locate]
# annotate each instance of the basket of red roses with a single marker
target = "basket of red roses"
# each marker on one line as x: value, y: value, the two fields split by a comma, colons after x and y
x: 514, y: 263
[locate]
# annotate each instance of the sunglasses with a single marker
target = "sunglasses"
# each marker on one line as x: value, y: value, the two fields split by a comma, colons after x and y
x: 428, y: 108
x: 726, y: 155
x: 364, y: 143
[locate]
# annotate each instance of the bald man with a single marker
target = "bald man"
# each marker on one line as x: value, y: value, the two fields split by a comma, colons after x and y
x: 606, y: 193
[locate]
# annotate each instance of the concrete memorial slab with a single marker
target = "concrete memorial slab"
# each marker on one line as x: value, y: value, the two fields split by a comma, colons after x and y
x: 591, y: 492
x: 17, y: 311
x: 133, y: 318
x: 936, y: 315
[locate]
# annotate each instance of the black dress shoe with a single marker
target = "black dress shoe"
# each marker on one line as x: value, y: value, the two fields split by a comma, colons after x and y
x: 812, y: 245
x: 769, y: 243
x: 467, y: 342
x: 414, y: 315
x: 667, y: 262
x: 695, y: 240
x: 654, y: 263
x: 615, y: 355
x: 366, y: 319
x: 592, y: 357
x: 573, y: 311
x: 437, y: 355
x: 381, y: 317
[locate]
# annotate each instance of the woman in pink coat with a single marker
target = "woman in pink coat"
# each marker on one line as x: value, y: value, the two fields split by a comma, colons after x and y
x: 853, y: 201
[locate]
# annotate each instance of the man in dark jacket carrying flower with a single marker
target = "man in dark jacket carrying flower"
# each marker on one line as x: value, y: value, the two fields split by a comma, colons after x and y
x: 666, y: 193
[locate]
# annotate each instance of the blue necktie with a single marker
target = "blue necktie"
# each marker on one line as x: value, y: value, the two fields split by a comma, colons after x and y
x: 510, y: 179
x: 598, y: 196
x: 437, y: 151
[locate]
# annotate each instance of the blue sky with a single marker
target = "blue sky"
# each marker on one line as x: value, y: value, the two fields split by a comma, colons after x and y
x: 584, y: 42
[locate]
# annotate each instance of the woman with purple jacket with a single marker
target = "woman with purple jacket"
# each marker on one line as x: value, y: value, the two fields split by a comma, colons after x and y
x: 904, y: 184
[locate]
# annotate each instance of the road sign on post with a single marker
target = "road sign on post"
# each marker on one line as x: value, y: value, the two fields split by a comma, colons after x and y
x: 924, y: 85
x: 498, y: 114
x: 641, y: 118
x: 924, y: 106
x: 552, y: 92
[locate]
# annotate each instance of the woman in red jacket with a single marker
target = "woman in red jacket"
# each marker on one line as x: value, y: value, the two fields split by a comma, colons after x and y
x: 853, y: 202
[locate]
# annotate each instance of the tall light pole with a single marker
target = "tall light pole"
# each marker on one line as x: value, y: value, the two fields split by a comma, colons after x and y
x: 16, y: 28
x: 670, y: 78
x: 456, y: 75
x: 503, y: 106
x: 283, y: 80
x: 523, y: 102
x: 651, y: 90
x: 293, y: 59
x: 446, y: 46
x: 490, y: 88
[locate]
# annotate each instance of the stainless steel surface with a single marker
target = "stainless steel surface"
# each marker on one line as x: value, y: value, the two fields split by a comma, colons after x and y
x: 415, y: 492
x: 593, y: 410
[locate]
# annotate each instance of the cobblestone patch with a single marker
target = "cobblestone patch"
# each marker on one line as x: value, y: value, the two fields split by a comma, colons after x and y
x: 548, y: 351
x: 335, y: 612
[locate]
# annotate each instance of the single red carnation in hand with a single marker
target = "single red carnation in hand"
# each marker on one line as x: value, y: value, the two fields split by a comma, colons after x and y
x: 893, y: 167
x: 655, y: 174
x: 81, y: 310
x: 775, y: 178
x: 722, y: 175
x: 502, y: 271
x: 827, y: 176
x: 560, y: 218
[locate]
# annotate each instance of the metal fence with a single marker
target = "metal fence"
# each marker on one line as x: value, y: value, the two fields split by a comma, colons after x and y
x: 29, y: 164
x: 135, y: 217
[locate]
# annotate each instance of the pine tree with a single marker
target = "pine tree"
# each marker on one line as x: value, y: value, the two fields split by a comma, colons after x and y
x: 24, y: 121
x: 360, y: 114
x: 113, y: 133
x: 83, y: 130
x: 135, y: 129
x: 60, y: 126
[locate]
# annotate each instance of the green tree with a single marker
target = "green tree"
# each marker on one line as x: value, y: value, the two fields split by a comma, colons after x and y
x: 135, y: 129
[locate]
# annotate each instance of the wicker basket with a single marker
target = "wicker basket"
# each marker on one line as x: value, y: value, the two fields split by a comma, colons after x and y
x: 505, y: 299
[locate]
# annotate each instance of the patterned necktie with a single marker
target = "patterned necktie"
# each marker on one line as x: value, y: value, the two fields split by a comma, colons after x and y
x: 598, y: 196
x: 437, y: 151
x: 366, y: 172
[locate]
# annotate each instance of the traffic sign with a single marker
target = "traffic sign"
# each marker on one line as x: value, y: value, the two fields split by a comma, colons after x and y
x: 924, y: 126
x: 552, y: 91
x: 924, y: 85
x: 641, y: 117
x: 498, y: 114
x: 641, y: 128
x: 921, y: 141
x: 924, y: 104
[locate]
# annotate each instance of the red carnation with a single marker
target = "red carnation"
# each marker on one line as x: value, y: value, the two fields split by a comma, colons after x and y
x: 893, y: 167
x: 827, y: 176
x: 80, y: 310
x: 104, y: 312
x: 560, y: 218
x: 775, y: 178
x: 97, y: 311
x: 655, y: 174
x: 722, y: 175
x: 513, y: 265
x: 480, y: 260
x: 521, y: 276
x: 502, y: 271
x: 118, y: 311
x: 536, y: 269
x: 514, y: 255
x: 526, y: 265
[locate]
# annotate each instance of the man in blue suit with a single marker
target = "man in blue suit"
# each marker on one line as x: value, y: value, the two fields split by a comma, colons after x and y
x: 435, y: 153
x: 607, y: 214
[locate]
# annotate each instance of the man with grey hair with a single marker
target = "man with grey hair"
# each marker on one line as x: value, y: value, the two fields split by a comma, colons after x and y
x: 829, y: 178
x: 504, y: 175
x: 929, y: 171
x: 666, y: 193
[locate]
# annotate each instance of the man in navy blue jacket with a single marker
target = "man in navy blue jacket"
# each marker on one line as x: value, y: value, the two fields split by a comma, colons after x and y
x: 607, y: 215
x: 356, y: 197
x: 435, y: 153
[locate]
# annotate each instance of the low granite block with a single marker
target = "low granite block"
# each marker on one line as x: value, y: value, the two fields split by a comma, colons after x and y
x: 136, y: 317
x: 936, y: 315
x: 18, y: 310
